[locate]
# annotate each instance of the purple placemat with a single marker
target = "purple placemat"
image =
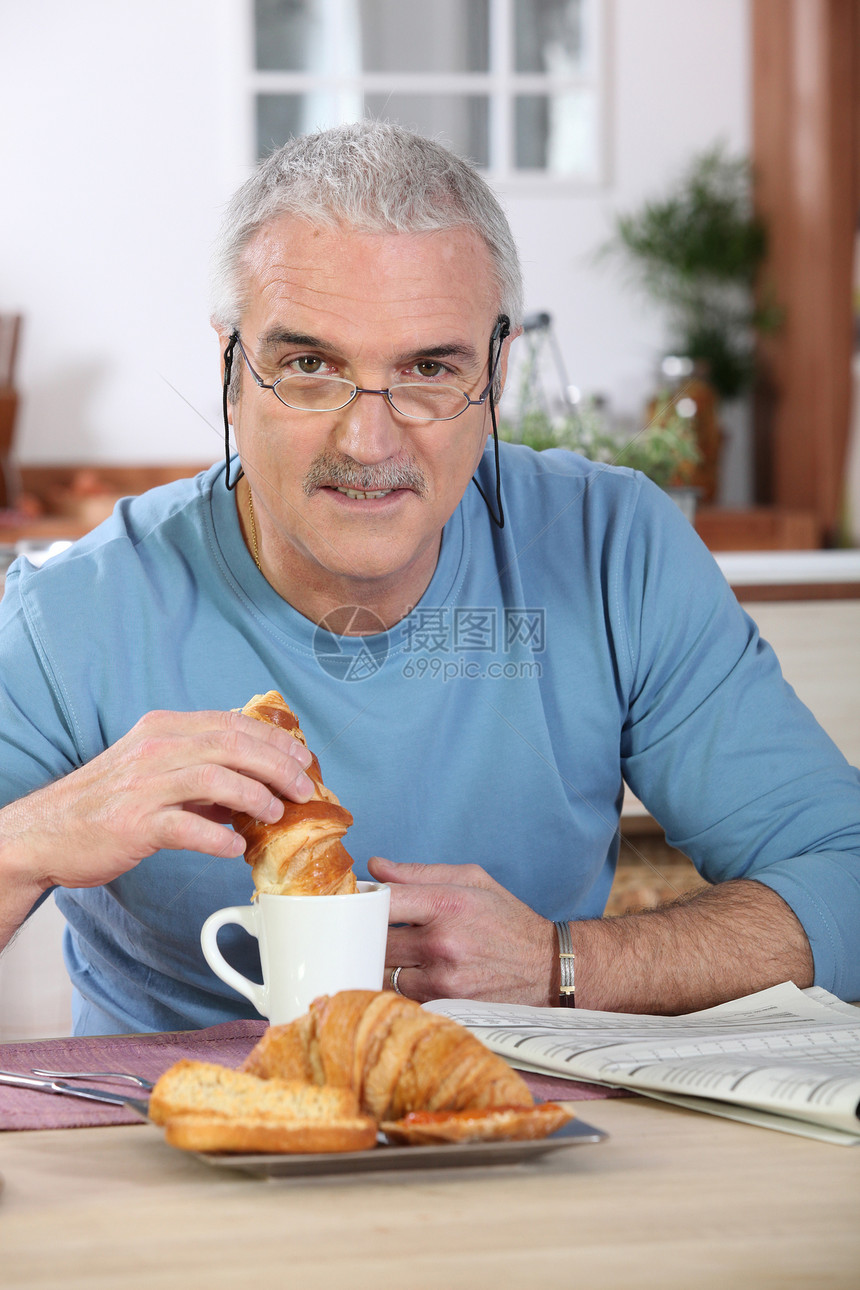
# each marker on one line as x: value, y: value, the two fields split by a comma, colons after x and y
x: 148, y: 1055
x: 552, y: 1088
x: 151, y: 1055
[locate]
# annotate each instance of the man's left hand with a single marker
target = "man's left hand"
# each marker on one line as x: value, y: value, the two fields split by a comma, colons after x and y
x: 457, y: 934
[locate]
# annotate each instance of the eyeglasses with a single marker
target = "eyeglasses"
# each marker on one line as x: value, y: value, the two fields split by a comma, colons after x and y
x: 311, y: 393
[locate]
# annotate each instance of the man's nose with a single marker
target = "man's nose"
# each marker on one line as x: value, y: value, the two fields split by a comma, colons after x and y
x: 368, y: 429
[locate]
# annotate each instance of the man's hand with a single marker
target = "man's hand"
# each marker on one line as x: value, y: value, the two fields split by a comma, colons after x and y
x: 466, y: 937
x: 172, y: 782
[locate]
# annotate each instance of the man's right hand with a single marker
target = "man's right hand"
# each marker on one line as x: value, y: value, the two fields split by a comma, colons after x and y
x: 172, y: 782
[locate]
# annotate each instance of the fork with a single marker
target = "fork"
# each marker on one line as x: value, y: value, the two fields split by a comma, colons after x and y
x: 48, y: 1085
x: 108, y: 1075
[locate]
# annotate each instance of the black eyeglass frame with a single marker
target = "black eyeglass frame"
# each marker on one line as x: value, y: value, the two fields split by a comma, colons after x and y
x: 358, y: 389
x: 500, y: 332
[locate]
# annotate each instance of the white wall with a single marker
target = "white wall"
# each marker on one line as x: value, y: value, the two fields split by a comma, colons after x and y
x: 126, y: 142
x: 113, y: 177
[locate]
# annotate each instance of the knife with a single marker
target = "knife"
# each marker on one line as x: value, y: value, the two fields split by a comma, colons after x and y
x: 138, y: 1105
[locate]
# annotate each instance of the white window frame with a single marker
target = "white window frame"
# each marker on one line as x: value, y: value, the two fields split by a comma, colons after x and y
x: 500, y: 85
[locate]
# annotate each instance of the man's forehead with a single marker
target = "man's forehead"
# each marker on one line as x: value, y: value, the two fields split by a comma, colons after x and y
x: 296, y: 253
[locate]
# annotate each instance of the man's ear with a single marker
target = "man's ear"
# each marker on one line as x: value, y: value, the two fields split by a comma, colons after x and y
x: 503, y: 361
x: 223, y: 342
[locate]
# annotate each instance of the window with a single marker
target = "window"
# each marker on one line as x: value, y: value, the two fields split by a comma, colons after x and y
x: 514, y: 85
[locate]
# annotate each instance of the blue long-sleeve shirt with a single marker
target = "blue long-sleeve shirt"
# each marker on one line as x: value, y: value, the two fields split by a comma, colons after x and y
x: 592, y: 640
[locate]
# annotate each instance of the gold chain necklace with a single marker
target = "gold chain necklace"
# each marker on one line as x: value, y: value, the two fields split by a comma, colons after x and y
x: 254, y: 548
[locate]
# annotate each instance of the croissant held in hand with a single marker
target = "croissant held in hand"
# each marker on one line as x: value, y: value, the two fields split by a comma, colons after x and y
x: 301, y: 853
x: 425, y: 1077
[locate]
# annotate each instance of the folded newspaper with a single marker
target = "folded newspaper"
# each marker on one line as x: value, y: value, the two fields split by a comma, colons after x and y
x: 784, y: 1058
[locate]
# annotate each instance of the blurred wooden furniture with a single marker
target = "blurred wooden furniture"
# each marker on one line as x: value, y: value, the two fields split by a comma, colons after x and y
x: 757, y: 528
x: 10, y: 333
x: 73, y: 498
x: 120, y: 478
x: 806, y: 160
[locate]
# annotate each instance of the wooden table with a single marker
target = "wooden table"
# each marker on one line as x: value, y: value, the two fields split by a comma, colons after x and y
x: 672, y: 1199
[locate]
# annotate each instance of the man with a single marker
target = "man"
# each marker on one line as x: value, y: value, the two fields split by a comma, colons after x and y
x: 475, y: 667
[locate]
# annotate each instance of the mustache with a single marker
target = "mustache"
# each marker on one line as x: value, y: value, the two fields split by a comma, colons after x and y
x: 328, y: 471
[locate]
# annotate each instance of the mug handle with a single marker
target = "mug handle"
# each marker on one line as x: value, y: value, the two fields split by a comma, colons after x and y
x: 245, y: 916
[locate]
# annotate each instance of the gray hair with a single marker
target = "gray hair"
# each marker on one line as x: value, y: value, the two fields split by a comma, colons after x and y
x: 374, y: 177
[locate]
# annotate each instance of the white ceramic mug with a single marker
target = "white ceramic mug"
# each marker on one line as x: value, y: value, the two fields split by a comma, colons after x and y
x: 309, y: 945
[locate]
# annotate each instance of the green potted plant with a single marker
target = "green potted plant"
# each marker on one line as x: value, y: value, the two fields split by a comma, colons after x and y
x: 665, y: 449
x: 698, y: 252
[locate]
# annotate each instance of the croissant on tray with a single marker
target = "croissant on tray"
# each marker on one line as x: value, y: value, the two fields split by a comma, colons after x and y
x: 423, y: 1077
x: 301, y: 854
